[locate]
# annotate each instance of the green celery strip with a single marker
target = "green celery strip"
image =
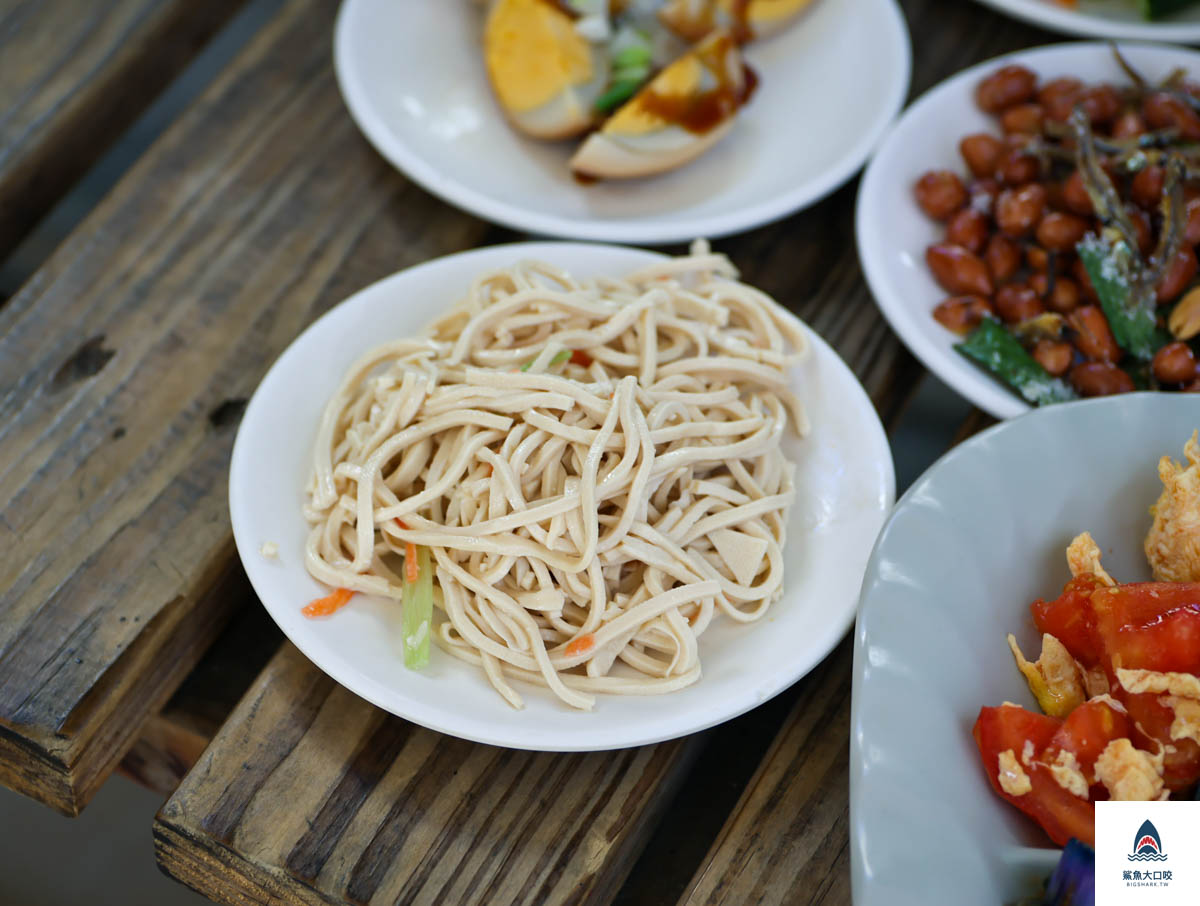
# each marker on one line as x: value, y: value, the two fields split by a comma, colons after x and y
x: 998, y: 351
x: 618, y: 93
x: 418, y: 612
x: 557, y: 360
x: 1129, y: 310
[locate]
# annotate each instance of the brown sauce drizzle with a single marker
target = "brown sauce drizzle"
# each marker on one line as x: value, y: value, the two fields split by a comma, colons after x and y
x: 703, y: 112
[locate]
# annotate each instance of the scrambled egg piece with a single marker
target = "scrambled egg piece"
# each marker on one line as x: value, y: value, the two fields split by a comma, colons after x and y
x: 1012, y: 777
x: 1185, y: 685
x: 1130, y: 774
x: 1066, y: 773
x: 1173, y: 544
x: 1055, y: 679
x: 1083, y: 557
x: 1186, y: 724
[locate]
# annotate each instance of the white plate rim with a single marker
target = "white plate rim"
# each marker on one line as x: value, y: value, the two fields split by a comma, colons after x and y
x: 625, y: 230
x: 900, y: 311
x: 1046, y: 14
x: 342, y: 671
x: 1047, y: 854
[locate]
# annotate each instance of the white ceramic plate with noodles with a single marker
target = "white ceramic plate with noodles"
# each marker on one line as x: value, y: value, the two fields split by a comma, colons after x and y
x: 845, y: 487
x: 412, y: 75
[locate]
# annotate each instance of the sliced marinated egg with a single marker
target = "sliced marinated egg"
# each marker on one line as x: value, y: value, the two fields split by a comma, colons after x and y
x: 693, y: 19
x: 545, y: 74
x: 684, y: 110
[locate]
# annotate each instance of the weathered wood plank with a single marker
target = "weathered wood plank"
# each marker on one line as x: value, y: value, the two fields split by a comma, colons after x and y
x: 123, y: 365
x: 310, y: 795
x: 75, y: 74
x: 173, y: 740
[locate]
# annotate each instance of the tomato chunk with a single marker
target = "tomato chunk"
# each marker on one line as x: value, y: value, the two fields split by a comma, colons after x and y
x: 1071, y: 620
x: 1060, y: 813
x: 1150, y: 625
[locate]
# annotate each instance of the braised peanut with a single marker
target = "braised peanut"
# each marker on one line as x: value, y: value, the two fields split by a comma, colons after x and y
x: 1023, y: 118
x: 981, y: 152
x: 1075, y: 195
x: 940, y: 193
x: 1017, y: 167
x: 1053, y: 355
x: 1015, y: 303
x: 1180, y: 273
x: 1005, y: 87
x: 1019, y: 210
x: 1059, y: 232
x: 1037, y: 258
x: 1146, y: 186
x: 1064, y: 297
x: 1058, y: 96
x: 1141, y: 224
x: 959, y: 271
x: 962, y: 314
x: 969, y: 229
x: 1093, y: 336
x: 1174, y: 363
x: 1161, y: 110
x: 1128, y: 124
x: 1101, y: 103
x: 1084, y: 281
x: 1003, y: 257
x: 1100, y: 379
x: 982, y: 194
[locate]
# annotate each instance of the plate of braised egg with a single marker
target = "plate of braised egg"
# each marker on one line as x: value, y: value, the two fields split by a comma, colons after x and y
x: 624, y: 120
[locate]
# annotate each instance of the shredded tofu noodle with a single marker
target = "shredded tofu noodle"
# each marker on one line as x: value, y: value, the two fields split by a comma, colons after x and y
x: 593, y: 458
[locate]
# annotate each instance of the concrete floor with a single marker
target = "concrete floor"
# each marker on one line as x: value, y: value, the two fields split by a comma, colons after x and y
x: 105, y: 857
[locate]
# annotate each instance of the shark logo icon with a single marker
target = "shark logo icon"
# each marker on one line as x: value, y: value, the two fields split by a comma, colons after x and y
x: 1147, y: 845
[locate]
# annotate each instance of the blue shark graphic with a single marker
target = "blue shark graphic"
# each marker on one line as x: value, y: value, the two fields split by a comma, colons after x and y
x: 1147, y: 845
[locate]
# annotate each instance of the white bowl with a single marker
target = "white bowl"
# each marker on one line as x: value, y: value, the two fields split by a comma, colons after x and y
x: 973, y: 542
x: 412, y: 75
x: 1118, y: 19
x: 892, y: 231
x: 845, y: 487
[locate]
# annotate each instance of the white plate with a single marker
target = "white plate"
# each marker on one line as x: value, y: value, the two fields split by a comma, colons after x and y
x: 977, y: 538
x: 845, y: 483
x: 892, y: 231
x: 1103, y: 19
x: 412, y: 74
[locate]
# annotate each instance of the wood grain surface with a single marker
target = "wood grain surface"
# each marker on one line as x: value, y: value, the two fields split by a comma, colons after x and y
x: 310, y: 795
x: 75, y: 73
x: 124, y: 365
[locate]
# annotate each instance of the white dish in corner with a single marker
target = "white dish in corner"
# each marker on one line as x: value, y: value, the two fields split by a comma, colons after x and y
x: 412, y: 75
x: 893, y: 233
x: 973, y: 542
x: 1117, y: 19
x: 845, y: 485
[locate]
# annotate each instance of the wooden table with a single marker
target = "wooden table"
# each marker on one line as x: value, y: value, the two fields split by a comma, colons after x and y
x: 125, y: 362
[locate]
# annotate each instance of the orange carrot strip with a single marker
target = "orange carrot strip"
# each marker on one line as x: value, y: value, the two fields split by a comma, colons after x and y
x: 581, y: 645
x: 400, y: 522
x: 412, y: 569
x: 323, y: 607
x: 581, y: 358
